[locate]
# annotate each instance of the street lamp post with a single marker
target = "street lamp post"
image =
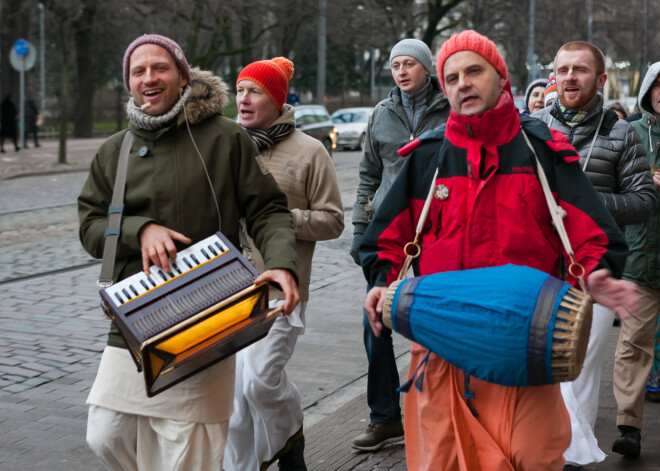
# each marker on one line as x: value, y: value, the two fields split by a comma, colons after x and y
x: 42, y: 57
x: 531, y: 58
x: 320, y: 71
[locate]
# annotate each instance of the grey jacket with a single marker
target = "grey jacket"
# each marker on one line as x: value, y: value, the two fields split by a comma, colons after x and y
x: 618, y: 167
x: 388, y: 131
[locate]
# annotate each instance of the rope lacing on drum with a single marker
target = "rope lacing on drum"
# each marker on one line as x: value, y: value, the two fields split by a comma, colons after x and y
x: 417, y: 377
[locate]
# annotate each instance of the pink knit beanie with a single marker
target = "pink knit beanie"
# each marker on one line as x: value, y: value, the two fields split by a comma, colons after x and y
x: 272, y: 76
x: 470, y: 40
x: 166, y: 43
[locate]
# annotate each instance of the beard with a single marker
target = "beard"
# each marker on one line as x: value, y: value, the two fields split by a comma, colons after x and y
x: 585, y: 97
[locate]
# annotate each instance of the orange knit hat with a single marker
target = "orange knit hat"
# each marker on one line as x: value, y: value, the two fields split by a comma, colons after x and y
x: 272, y: 76
x: 470, y: 40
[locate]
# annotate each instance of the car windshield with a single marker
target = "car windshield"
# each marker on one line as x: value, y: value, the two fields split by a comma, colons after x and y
x: 350, y: 117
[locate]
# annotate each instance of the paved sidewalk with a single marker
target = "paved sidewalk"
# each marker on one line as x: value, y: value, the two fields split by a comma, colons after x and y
x: 52, y: 333
x: 43, y: 160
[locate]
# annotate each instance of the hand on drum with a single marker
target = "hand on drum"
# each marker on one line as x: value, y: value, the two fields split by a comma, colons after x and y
x: 618, y: 295
x: 157, y: 245
x: 373, y: 304
x: 287, y: 283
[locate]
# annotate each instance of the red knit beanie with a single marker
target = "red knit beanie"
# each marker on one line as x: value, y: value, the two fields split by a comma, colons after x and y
x: 272, y: 76
x: 470, y: 40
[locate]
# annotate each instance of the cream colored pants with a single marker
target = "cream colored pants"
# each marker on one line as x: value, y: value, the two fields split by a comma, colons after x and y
x: 127, y: 442
x: 634, y: 356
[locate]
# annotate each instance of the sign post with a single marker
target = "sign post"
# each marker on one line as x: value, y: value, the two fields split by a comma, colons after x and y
x: 22, y: 58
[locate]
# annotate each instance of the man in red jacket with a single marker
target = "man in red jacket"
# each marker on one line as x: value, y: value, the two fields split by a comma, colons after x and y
x: 491, y: 211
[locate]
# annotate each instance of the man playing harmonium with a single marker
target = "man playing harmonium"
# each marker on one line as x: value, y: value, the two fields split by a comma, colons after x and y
x: 487, y: 209
x: 267, y: 423
x: 191, y: 171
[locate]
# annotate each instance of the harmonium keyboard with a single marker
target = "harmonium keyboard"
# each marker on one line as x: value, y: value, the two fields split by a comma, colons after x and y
x: 203, y: 310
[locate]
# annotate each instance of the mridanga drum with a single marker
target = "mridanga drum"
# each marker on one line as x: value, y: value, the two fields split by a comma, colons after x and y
x: 510, y: 325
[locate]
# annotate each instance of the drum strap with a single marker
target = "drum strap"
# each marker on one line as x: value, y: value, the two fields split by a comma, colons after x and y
x: 557, y: 213
x: 414, y: 245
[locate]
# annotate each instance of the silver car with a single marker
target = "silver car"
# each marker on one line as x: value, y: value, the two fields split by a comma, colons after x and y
x: 351, y: 124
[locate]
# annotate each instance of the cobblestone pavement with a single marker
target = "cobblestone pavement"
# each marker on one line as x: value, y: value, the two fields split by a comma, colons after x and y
x: 52, y: 333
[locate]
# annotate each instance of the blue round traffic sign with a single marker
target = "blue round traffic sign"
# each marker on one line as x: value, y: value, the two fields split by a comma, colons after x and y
x: 21, y: 47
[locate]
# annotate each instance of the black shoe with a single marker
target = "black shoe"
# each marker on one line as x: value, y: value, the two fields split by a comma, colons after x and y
x: 294, y: 458
x: 653, y: 396
x: 292, y: 455
x: 629, y: 443
x: 2, y: 151
x: 379, y: 435
x: 36, y: 144
x: 571, y: 467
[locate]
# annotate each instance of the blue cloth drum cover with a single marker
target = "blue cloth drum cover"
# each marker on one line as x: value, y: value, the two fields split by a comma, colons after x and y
x: 510, y: 325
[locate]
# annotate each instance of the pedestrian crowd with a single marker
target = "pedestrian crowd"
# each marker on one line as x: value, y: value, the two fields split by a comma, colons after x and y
x: 453, y: 180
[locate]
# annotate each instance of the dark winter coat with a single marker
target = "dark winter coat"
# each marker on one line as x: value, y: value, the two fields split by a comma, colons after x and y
x: 643, y: 264
x: 493, y: 211
x: 168, y: 186
x: 617, y: 168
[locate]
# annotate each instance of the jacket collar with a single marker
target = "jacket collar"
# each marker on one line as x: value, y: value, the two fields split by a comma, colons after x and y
x: 493, y: 127
x: 593, y: 111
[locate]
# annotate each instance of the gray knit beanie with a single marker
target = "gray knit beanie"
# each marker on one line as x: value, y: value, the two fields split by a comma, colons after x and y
x: 416, y: 49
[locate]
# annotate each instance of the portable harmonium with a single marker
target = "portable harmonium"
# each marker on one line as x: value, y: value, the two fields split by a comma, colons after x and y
x: 205, y: 309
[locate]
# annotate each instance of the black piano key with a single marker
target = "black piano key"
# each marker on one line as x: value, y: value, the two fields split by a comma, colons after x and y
x: 128, y: 296
x: 194, y: 259
x: 175, y: 268
x: 151, y: 280
x: 119, y: 298
x: 212, y: 250
x: 185, y: 260
x: 206, y: 254
x: 217, y: 244
x: 145, y: 285
x: 162, y: 275
x: 133, y: 289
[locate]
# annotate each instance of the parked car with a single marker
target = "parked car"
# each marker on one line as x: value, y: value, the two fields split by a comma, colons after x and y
x: 315, y: 121
x: 351, y: 124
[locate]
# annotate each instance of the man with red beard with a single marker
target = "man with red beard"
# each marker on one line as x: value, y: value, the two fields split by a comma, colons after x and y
x: 488, y: 209
x: 614, y: 160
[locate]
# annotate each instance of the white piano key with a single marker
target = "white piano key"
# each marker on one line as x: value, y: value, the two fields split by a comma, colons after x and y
x: 186, y: 260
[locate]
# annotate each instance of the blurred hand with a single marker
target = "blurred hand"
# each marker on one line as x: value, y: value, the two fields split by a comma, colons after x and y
x: 373, y: 304
x: 618, y: 295
x: 656, y: 180
x: 157, y: 245
x: 287, y: 283
x: 355, y: 248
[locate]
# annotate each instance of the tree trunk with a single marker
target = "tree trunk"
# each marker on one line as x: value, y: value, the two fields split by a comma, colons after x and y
x: 64, y: 93
x: 83, y: 38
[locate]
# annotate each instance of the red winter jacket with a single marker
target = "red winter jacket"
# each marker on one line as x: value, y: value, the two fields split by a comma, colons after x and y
x: 495, y: 210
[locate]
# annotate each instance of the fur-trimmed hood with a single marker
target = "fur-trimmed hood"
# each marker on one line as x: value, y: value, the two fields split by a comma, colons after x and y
x: 210, y: 94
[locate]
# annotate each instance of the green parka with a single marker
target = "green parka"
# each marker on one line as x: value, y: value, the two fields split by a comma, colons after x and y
x: 643, y: 263
x: 166, y: 184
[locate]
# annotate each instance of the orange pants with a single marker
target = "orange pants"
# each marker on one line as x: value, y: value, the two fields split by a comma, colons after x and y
x: 516, y: 429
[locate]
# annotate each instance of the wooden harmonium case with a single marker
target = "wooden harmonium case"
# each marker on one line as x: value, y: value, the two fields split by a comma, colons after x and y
x: 205, y: 309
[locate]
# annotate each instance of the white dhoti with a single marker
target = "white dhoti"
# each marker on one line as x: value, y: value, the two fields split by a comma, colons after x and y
x: 182, y: 428
x: 267, y: 404
x: 581, y: 396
